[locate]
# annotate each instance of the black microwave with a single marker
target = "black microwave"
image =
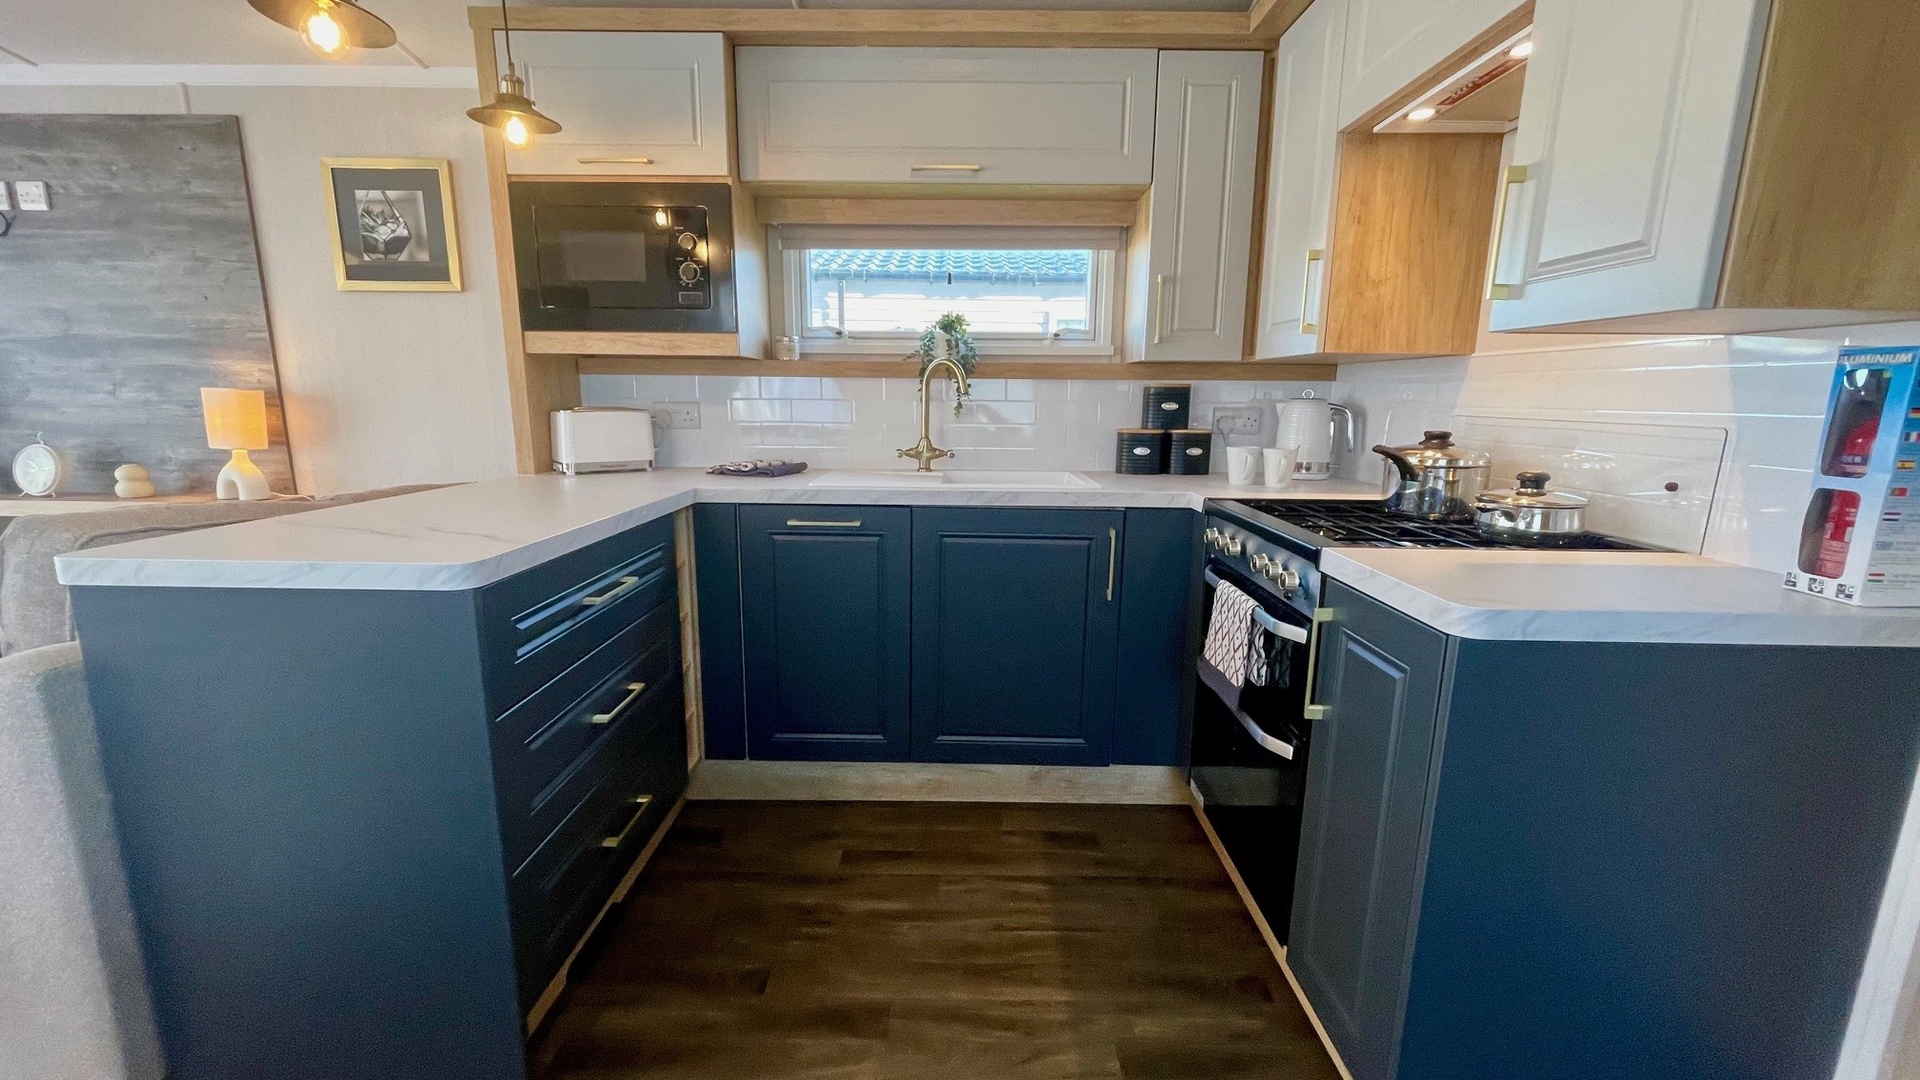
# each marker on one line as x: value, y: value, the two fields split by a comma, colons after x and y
x: 599, y: 255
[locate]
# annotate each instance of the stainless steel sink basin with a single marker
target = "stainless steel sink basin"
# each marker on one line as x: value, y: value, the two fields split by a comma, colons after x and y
x: 993, y: 479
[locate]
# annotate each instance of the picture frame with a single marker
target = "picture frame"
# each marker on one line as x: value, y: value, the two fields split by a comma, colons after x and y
x: 393, y: 225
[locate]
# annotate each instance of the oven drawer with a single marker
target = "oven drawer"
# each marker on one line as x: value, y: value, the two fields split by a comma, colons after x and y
x: 551, y: 744
x: 559, y: 889
x: 538, y: 623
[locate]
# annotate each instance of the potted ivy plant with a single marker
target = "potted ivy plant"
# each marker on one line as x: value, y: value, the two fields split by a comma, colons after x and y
x: 947, y: 338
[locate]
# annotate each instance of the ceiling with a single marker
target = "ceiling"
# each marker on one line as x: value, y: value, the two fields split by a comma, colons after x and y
x: 43, y: 32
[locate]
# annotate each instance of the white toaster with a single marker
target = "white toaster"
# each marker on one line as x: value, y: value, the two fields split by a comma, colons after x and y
x: 590, y: 440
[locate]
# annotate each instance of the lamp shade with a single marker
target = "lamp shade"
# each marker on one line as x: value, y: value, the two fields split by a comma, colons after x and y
x: 236, y: 419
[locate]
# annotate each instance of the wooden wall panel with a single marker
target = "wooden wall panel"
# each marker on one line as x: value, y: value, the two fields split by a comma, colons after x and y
x: 139, y: 287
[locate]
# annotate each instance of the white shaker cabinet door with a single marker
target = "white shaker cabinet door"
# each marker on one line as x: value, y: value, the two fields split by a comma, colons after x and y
x: 1200, y: 233
x: 635, y: 104
x: 1391, y: 44
x: 1628, y: 153
x: 1300, y: 171
x: 938, y: 115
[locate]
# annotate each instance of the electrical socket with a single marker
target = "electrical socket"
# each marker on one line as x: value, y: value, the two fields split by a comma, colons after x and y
x: 676, y: 415
x: 1238, y: 419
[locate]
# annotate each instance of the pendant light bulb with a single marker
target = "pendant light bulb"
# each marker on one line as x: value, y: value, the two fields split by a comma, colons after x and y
x: 323, y: 34
x: 515, y: 131
x: 511, y: 111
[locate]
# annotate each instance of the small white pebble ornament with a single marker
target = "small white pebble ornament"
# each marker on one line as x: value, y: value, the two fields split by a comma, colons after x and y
x: 133, y: 482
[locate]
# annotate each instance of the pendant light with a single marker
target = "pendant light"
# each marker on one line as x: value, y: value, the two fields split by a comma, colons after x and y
x: 329, y: 27
x: 511, y: 110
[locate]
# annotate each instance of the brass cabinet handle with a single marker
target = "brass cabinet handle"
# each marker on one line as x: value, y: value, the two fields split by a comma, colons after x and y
x: 614, y: 160
x: 1159, y: 303
x: 614, y: 841
x: 626, y: 583
x: 1308, y: 323
x: 1113, y: 558
x: 634, y: 690
x: 944, y: 168
x: 1496, y: 289
x: 1321, y: 617
x: 802, y: 523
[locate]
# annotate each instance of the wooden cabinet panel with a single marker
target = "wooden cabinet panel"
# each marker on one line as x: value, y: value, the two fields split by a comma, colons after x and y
x: 635, y: 104
x: 1379, y: 677
x: 825, y: 623
x: 1631, y: 133
x: 1016, y: 619
x: 1300, y: 162
x: 1391, y: 44
x: 1201, y: 204
x: 991, y: 116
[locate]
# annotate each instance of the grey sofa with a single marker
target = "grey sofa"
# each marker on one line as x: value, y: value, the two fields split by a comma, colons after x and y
x: 73, y: 994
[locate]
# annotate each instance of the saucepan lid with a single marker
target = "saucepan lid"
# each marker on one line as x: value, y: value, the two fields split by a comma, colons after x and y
x: 1530, y: 490
x: 1437, y: 451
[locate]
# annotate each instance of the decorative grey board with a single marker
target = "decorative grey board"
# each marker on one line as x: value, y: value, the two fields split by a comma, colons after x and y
x: 1626, y: 469
x: 139, y: 287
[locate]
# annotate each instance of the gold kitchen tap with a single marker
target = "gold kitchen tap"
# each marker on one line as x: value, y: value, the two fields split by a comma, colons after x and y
x: 924, y: 451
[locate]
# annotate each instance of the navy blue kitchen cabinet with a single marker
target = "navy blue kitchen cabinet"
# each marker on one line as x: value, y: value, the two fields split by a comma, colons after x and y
x: 825, y: 626
x: 1593, y: 860
x: 1161, y: 623
x: 364, y: 829
x: 1016, y: 626
x: 1363, y: 813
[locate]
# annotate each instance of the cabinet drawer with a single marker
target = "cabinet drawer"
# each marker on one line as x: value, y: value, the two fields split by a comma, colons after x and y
x: 1007, y: 116
x: 562, y: 885
x: 538, y: 623
x: 553, y: 743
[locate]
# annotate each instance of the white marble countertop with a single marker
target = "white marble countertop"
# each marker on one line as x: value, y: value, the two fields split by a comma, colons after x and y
x: 1608, y: 596
x: 474, y: 534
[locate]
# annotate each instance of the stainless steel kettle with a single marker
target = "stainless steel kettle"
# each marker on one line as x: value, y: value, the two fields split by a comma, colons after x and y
x: 1435, y: 479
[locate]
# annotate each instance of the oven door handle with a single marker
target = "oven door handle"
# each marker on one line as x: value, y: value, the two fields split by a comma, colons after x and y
x: 1266, y: 741
x: 1272, y: 625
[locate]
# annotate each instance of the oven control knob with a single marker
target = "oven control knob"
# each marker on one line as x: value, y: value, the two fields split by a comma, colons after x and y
x: 1234, y: 546
x: 687, y: 241
x: 1263, y: 564
x: 1288, y: 580
x: 1211, y: 536
x: 689, y: 273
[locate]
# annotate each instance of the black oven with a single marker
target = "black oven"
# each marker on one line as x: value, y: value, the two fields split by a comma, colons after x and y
x: 1249, y: 750
x: 616, y: 256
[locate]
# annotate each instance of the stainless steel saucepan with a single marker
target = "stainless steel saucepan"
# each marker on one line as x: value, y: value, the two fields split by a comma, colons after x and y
x: 1529, y: 513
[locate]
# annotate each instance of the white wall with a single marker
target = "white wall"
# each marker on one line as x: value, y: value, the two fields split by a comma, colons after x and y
x: 1767, y: 394
x: 859, y: 423
x: 380, y: 388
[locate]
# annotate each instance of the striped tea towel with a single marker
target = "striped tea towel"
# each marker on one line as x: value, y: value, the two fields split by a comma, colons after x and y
x: 1230, y: 633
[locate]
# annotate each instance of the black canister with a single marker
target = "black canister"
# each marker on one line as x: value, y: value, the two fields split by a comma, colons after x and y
x: 1166, y: 406
x: 1141, y: 452
x: 1190, y: 452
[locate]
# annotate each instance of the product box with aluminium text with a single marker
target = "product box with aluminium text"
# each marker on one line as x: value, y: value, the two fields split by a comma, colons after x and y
x: 1860, y: 542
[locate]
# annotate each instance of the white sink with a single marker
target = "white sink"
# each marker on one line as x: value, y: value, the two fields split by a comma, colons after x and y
x: 996, y: 479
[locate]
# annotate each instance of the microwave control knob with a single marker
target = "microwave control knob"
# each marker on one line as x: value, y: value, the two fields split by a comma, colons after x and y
x: 687, y: 241
x: 689, y: 273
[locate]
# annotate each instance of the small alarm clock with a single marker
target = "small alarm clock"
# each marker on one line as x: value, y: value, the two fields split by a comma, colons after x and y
x: 39, y: 469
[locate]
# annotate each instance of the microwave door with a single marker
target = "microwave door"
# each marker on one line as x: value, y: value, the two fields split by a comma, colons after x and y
x: 599, y: 258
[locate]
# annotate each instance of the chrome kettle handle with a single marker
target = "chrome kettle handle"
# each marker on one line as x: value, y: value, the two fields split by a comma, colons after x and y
x: 1348, y: 413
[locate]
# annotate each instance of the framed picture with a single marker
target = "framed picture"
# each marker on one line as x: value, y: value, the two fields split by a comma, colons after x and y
x: 392, y: 223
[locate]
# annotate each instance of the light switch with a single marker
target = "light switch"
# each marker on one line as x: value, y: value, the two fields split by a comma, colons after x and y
x: 32, y: 194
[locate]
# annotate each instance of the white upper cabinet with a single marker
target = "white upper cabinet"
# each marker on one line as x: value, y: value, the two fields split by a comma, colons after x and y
x: 1626, y: 159
x: 1392, y: 44
x: 1300, y: 164
x: 937, y: 115
x: 628, y: 103
x: 1201, y: 204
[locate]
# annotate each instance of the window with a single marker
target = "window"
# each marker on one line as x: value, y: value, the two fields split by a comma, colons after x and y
x: 1023, y: 291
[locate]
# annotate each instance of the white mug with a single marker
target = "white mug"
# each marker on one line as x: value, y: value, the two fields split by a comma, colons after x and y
x: 1278, y: 465
x: 1243, y: 465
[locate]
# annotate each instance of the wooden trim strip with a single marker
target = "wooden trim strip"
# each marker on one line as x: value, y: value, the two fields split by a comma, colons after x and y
x: 775, y: 781
x: 590, y: 342
x: 870, y: 211
x: 855, y: 26
x: 1307, y: 369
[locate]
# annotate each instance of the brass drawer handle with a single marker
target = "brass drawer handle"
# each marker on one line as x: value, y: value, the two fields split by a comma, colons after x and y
x: 616, y: 840
x: 1515, y: 176
x: 1113, y: 559
x: 614, y: 593
x: 944, y: 168
x: 801, y: 523
x: 614, y: 160
x: 1314, y: 710
x: 634, y: 690
x: 1309, y: 318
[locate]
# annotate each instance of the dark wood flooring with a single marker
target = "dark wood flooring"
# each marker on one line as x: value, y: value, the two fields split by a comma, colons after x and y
x: 875, y: 941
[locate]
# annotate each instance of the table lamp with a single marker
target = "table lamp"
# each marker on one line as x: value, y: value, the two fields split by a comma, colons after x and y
x: 237, y: 421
